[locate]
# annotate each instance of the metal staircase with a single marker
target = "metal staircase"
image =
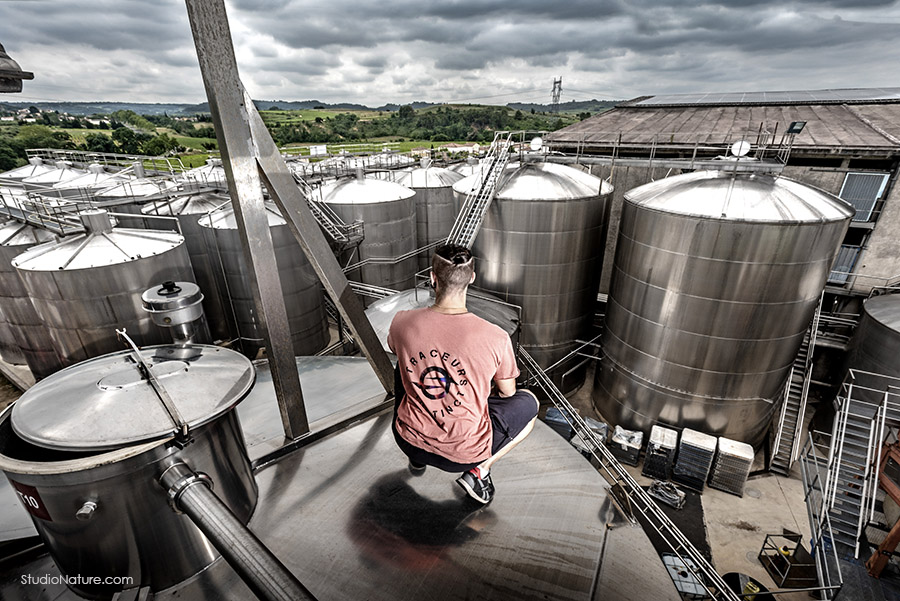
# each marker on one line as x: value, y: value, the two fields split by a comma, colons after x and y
x: 787, y: 438
x: 343, y: 235
x: 868, y: 414
x: 479, y: 198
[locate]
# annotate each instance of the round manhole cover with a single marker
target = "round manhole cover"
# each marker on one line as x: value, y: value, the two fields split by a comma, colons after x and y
x: 752, y: 557
x: 753, y: 493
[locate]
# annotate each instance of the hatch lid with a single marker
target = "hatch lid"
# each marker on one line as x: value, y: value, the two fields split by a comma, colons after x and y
x: 107, y: 403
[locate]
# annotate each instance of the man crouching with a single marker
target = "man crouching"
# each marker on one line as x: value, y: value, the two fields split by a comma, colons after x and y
x: 445, y: 415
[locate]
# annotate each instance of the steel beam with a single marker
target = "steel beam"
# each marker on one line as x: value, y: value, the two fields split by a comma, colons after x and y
x: 249, y: 152
x: 212, y: 38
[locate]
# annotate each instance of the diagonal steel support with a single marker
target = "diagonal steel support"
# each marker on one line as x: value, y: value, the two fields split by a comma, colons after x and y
x: 249, y: 158
x: 284, y: 191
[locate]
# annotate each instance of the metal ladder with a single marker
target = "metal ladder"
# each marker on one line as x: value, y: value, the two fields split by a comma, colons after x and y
x: 627, y: 493
x: 475, y: 207
x: 786, y: 447
x: 860, y: 429
x: 342, y: 233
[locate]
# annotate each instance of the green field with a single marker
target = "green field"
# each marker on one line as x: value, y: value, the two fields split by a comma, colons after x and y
x: 299, y: 116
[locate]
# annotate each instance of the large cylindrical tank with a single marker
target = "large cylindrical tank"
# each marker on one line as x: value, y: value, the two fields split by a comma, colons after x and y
x: 435, y: 207
x: 716, y: 278
x: 541, y: 247
x: 189, y: 209
x: 875, y: 349
x: 24, y: 326
x: 304, y: 297
x: 85, y: 287
x: 9, y: 350
x: 388, y: 213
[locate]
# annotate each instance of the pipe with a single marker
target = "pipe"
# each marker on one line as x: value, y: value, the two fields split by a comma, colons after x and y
x: 260, y: 570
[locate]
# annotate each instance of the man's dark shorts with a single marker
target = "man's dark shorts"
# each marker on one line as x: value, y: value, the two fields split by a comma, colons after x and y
x: 509, y: 416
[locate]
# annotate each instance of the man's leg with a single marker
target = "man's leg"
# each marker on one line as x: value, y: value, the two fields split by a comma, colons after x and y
x: 513, y: 416
x: 485, y: 466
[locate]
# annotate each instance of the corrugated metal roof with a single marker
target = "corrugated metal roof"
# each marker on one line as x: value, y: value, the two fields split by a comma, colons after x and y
x: 836, y: 96
x: 827, y: 125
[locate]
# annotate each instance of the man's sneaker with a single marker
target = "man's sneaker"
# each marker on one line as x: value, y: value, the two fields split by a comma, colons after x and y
x: 416, y: 469
x: 480, y: 489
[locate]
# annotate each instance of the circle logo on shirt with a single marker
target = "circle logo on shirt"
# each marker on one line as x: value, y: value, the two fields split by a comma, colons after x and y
x: 434, y: 382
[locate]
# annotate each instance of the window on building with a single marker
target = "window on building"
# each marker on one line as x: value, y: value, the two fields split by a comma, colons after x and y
x: 863, y: 190
x: 844, y: 263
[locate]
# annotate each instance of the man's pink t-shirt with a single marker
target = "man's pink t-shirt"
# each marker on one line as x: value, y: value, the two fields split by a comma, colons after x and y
x: 447, y: 363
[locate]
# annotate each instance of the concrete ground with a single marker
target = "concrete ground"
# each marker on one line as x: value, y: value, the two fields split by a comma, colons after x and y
x: 736, y: 527
x: 8, y: 393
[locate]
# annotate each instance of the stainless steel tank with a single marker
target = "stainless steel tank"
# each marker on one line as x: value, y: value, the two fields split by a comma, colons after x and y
x: 875, y: 348
x: 435, y: 205
x: 304, y: 296
x: 85, y: 287
x: 388, y: 213
x: 85, y: 450
x: 541, y: 247
x: 189, y: 209
x: 25, y: 328
x: 716, y: 278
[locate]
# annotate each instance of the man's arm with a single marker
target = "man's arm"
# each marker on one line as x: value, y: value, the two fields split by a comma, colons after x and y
x: 506, y: 387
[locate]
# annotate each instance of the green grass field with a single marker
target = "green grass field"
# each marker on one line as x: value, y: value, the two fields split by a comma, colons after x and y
x: 299, y: 116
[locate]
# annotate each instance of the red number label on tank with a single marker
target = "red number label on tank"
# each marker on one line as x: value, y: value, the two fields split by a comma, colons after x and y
x: 30, y: 498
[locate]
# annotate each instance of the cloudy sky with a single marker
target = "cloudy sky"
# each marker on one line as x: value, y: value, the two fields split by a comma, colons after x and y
x: 491, y: 51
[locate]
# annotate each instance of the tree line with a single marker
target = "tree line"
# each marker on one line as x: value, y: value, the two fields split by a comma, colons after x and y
x: 441, y: 124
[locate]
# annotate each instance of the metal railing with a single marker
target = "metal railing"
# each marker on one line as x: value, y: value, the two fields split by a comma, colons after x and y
x: 688, y: 150
x: 637, y: 498
x: 171, y: 165
x: 822, y: 547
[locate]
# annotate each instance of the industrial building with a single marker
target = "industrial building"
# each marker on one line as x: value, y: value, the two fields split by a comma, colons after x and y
x: 210, y: 392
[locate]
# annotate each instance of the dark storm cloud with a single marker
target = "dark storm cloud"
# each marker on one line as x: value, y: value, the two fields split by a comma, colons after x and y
x: 461, y: 48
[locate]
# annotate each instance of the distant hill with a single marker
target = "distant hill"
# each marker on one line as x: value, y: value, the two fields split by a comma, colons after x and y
x: 591, y: 106
x: 83, y: 109
x: 183, y: 109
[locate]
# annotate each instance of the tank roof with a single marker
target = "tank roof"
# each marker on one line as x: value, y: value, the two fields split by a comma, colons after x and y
x: 224, y: 218
x: 751, y: 197
x: 97, y: 250
x: 885, y: 309
x: 364, y: 191
x: 13, y: 233
x: 429, y: 177
x: 189, y: 204
x: 541, y: 181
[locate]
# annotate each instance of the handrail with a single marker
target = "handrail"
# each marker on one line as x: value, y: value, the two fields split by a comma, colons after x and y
x: 619, y: 477
x: 820, y: 525
x: 787, y: 390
